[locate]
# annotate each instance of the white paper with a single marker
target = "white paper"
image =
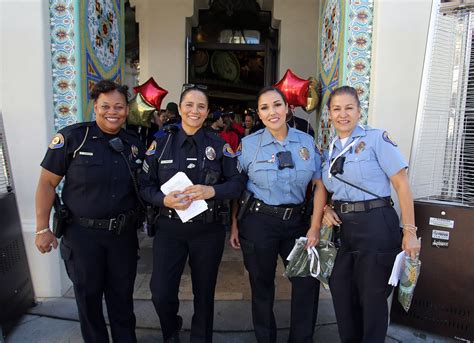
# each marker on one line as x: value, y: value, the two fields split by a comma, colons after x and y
x: 397, y: 269
x: 178, y: 183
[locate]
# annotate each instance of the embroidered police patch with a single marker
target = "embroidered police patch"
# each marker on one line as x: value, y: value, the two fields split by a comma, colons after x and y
x: 387, y: 139
x: 57, y: 141
x: 227, y: 151
x: 152, y: 148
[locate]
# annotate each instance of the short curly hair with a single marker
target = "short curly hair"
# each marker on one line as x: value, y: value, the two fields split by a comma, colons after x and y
x: 105, y: 86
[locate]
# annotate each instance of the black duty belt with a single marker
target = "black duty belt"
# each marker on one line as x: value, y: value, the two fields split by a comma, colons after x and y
x: 361, y: 206
x: 285, y: 213
x: 172, y: 214
x: 112, y: 224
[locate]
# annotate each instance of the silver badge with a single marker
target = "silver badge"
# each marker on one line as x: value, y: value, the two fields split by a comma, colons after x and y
x: 210, y: 153
x: 191, y: 166
x: 304, y: 153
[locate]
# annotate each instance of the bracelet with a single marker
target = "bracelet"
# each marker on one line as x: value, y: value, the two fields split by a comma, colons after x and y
x: 410, y: 226
x: 40, y: 232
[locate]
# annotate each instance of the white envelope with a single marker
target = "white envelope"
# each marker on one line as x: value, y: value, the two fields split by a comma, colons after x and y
x: 178, y: 183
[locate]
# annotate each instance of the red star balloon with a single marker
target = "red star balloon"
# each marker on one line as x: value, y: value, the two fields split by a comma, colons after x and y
x: 294, y: 88
x: 151, y: 92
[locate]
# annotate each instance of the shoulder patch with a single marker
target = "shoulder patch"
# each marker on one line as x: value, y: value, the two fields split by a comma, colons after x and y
x: 151, y: 149
x: 227, y: 151
x: 387, y: 138
x: 57, y: 141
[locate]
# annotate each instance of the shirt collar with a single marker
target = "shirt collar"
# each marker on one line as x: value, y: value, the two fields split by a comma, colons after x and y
x: 267, y: 137
x: 182, y: 136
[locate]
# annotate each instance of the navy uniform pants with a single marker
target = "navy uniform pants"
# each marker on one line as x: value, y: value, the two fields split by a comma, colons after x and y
x: 262, y: 239
x: 173, y: 243
x: 359, y: 286
x: 102, y: 264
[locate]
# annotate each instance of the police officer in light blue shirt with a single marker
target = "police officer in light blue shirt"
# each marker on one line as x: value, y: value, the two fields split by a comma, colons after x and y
x: 280, y: 163
x: 358, y: 168
x: 371, y: 158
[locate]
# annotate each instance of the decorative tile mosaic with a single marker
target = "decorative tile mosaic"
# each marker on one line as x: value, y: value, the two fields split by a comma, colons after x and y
x: 63, y: 49
x: 102, y: 48
x: 346, y: 42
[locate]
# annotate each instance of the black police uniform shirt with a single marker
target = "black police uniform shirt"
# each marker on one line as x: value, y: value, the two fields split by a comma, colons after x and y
x: 97, y: 182
x: 213, y: 163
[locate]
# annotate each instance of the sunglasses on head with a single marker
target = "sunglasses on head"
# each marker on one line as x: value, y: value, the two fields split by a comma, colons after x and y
x: 187, y: 86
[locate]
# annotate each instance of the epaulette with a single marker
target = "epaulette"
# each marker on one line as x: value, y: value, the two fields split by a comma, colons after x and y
x: 214, y: 136
x: 132, y: 133
x: 254, y: 134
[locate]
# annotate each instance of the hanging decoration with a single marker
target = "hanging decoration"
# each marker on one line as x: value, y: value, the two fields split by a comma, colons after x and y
x: 294, y: 88
x: 151, y: 92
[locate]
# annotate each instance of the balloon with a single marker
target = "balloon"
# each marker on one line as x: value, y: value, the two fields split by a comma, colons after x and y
x: 151, y: 92
x: 140, y: 112
x: 313, y: 95
x: 294, y: 88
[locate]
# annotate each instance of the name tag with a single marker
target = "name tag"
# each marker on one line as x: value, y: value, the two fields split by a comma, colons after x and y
x: 191, y: 159
x: 86, y: 153
x: 166, y: 161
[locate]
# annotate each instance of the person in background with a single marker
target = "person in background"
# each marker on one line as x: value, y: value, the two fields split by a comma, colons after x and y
x: 248, y: 122
x: 369, y: 229
x: 280, y: 163
x: 212, y: 167
x: 99, y: 245
x: 216, y: 122
x: 299, y: 123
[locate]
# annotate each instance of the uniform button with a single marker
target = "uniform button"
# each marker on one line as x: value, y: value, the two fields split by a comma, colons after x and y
x: 114, y: 178
x: 113, y: 195
x: 115, y: 161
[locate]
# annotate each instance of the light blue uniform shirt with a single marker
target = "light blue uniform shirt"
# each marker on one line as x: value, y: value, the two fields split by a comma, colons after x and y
x: 279, y: 186
x: 369, y: 164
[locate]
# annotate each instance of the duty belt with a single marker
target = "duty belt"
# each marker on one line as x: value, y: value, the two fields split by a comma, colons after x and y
x: 171, y: 214
x: 284, y: 213
x: 360, y: 206
x: 113, y: 224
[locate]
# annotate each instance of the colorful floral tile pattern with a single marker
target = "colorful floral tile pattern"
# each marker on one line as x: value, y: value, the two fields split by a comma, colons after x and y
x: 63, y: 49
x: 350, y: 62
x: 102, y: 49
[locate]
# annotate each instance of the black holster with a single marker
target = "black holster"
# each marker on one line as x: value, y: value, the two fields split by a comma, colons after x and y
x: 246, y: 199
x: 61, y: 217
x: 150, y: 220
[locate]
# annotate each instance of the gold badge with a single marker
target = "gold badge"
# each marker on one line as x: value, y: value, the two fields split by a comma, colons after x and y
x: 360, y: 147
x: 152, y: 148
x: 210, y: 153
x: 304, y: 153
x: 57, y: 141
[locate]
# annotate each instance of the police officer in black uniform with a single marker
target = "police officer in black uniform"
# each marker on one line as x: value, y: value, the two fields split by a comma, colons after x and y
x: 99, y: 245
x: 212, y: 167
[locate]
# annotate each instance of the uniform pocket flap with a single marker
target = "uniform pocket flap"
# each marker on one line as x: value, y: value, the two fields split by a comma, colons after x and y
x: 65, y: 251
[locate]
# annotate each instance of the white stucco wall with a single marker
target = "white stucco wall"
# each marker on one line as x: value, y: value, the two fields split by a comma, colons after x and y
x: 398, y: 49
x: 162, y: 33
x: 26, y: 104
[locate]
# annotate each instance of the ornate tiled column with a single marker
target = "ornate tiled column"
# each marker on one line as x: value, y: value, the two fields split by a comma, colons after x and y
x: 345, y: 54
x: 87, y: 45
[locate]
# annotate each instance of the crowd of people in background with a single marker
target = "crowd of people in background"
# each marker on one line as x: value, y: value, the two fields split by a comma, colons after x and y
x: 231, y: 124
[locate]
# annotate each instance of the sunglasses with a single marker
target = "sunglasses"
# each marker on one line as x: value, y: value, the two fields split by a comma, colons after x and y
x: 187, y: 86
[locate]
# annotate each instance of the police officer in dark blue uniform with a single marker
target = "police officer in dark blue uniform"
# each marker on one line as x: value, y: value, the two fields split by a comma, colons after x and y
x: 359, y: 167
x: 99, y: 245
x: 211, y: 165
x: 280, y: 163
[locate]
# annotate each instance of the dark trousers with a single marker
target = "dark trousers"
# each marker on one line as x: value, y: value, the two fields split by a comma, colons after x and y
x: 359, y: 281
x: 102, y: 264
x: 173, y: 243
x: 262, y: 239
